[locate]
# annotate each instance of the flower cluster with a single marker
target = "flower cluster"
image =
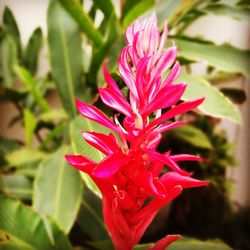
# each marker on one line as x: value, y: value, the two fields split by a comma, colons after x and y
x: 132, y: 177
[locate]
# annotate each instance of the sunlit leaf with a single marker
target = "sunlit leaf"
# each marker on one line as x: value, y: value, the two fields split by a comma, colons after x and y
x: 215, y: 104
x: 30, y: 125
x: 30, y: 84
x: 107, y: 6
x: 223, y: 57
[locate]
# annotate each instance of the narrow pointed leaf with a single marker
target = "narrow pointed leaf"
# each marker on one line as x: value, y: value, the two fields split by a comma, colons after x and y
x: 32, y: 50
x: 85, y: 23
x: 107, y: 7
x: 58, y: 190
x: 30, y: 125
x: 65, y: 48
x: 11, y: 28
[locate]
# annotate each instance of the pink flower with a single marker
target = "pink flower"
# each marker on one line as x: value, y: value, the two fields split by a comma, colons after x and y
x: 131, y: 172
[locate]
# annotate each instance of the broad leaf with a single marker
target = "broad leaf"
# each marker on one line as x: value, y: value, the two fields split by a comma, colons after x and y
x: 11, y: 28
x: 80, y: 146
x: 85, y: 23
x: 236, y: 12
x: 193, y: 135
x: 223, y: 57
x: 25, y: 227
x: 90, y: 216
x: 58, y: 190
x: 31, y: 86
x: 18, y: 186
x: 8, y: 56
x: 32, y: 50
x: 65, y: 48
x: 215, y: 104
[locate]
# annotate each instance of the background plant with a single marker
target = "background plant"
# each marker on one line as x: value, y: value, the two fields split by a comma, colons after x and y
x: 64, y: 205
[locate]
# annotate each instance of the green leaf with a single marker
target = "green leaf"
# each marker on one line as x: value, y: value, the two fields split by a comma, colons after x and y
x: 9, y: 245
x: 32, y: 50
x: 223, y: 57
x: 18, y: 186
x: 64, y: 40
x: 30, y: 125
x: 90, y: 216
x: 23, y: 156
x: 228, y: 10
x: 193, y: 244
x: 85, y: 23
x: 107, y: 7
x: 11, y: 28
x: 8, y: 57
x: 53, y: 115
x: 193, y: 135
x: 80, y: 146
x: 30, y: 84
x: 25, y: 227
x: 215, y: 104
x: 58, y: 190
x: 137, y: 10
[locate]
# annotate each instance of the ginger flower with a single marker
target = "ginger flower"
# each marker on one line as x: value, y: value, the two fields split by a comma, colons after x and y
x: 130, y: 177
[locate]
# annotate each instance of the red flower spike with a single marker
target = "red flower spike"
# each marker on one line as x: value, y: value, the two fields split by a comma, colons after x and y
x: 130, y: 176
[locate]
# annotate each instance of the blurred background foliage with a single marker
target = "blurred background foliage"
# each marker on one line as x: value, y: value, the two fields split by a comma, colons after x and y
x: 44, y: 203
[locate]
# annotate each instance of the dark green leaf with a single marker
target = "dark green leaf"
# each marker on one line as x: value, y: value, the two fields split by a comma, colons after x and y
x: 223, y: 57
x: 30, y: 85
x: 8, y: 57
x: 25, y: 227
x: 17, y: 186
x: 106, y: 7
x: 90, y: 216
x: 58, y: 190
x: 65, y: 48
x: 80, y: 146
x: 32, y: 50
x: 83, y: 20
x: 140, y: 8
x: 227, y: 10
x: 215, y: 104
x: 193, y: 136
x: 11, y: 28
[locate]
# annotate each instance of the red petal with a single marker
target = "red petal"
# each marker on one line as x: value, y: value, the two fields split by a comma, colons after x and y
x: 171, y: 179
x: 166, y: 160
x: 164, y: 242
x: 80, y: 162
x: 95, y: 114
x: 186, y: 157
x: 109, y: 165
x: 105, y: 143
x: 169, y: 125
x: 116, y: 102
x: 177, y: 110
